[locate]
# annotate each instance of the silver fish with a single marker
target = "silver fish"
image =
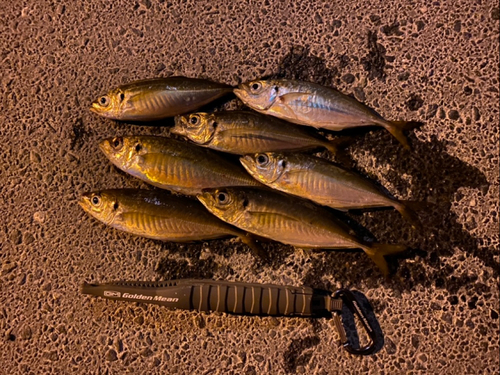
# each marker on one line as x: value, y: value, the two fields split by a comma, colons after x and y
x: 310, y: 104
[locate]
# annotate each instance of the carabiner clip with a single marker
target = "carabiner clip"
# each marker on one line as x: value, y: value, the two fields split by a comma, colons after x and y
x: 352, y: 304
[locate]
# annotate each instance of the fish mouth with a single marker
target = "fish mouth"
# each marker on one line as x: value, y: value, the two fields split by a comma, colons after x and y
x: 247, y: 162
x: 95, y: 108
x: 84, y: 201
x: 179, y: 127
x: 206, y: 197
x: 240, y: 92
x: 103, y: 145
x: 106, y: 149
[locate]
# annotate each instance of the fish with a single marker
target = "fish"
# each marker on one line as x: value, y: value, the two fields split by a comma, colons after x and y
x: 289, y: 220
x: 157, y: 98
x: 245, y: 132
x: 310, y: 104
x: 174, y: 165
x: 159, y: 215
x: 321, y: 181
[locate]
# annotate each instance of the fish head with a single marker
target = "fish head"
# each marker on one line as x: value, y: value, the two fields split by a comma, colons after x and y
x: 103, y: 205
x: 259, y: 95
x: 124, y: 152
x: 110, y: 105
x: 227, y: 204
x: 197, y: 127
x: 265, y: 167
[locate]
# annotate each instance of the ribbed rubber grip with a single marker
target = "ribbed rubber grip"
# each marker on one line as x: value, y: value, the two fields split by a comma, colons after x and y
x: 257, y: 299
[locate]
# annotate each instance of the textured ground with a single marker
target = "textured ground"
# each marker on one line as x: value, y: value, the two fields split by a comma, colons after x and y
x: 436, y: 63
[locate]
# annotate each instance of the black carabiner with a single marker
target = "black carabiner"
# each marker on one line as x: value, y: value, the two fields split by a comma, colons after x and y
x: 352, y: 304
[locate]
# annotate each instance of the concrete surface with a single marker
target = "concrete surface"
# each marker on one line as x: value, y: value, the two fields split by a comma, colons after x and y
x: 435, y: 62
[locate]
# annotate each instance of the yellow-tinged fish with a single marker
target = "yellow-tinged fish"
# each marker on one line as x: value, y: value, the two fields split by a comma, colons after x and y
x: 289, y: 220
x: 157, y: 98
x: 174, y: 165
x: 310, y: 104
x: 159, y: 215
x: 319, y: 180
x: 243, y: 132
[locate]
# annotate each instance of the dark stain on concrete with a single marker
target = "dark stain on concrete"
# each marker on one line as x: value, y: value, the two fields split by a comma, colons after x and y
x: 375, y: 61
x: 79, y: 134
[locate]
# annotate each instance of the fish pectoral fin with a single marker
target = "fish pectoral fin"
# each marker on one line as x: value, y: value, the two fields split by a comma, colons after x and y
x: 284, y: 103
x: 295, y: 97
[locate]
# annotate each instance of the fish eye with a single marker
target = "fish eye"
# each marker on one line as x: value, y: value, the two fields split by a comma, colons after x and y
x: 122, y: 96
x: 104, y: 101
x: 117, y: 143
x: 194, y: 120
x: 255, y: 86
x: 262, y: 159
x: 222, y: 197
x: 96, y: 200
x: 138, y: 147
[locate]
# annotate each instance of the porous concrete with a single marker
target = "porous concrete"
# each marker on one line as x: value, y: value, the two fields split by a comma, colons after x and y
x: 435, y: 62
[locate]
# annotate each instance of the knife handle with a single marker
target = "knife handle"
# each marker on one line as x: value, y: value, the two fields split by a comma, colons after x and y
x: 222, y: 296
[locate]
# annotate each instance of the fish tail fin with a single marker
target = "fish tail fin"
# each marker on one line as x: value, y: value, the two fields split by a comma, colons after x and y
x: 396, y: 128
x: 338, y: 144
x: 256, y: 248
x: 407, y: 210
x: 377, y: 252
x: 331, y: 147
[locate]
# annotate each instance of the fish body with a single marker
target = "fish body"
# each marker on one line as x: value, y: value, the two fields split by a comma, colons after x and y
x: 174, y: 165
x: 157, y: 98
x: 244, y: 132
x: 310, y: 104
x: 155, y: 214
x: 289, y: 220
x: 319, y: 180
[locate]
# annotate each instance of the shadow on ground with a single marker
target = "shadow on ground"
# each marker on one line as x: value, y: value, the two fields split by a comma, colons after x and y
x: 436, y: 179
